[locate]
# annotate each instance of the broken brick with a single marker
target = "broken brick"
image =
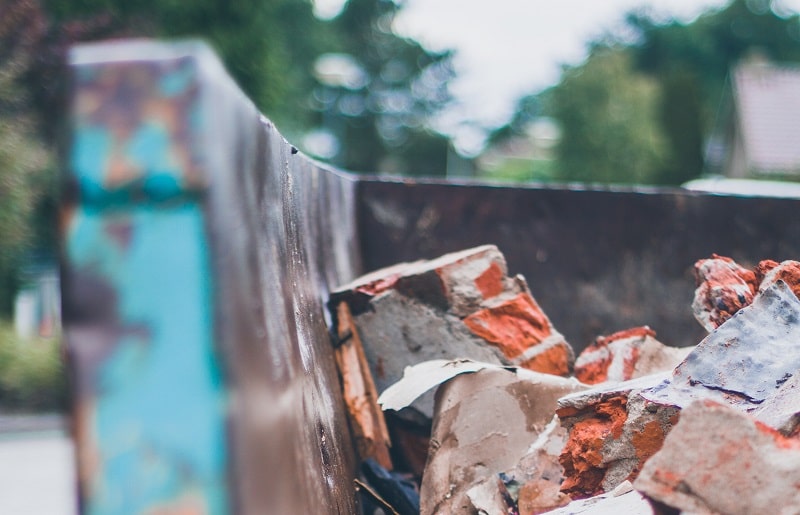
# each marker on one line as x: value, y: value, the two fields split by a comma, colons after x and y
x: 485, y: 422
x: 460, y: 305
x: 524, y: 334
x: 719, y: 460
x: 786, y: 271
x: 539, y: 473
x: 723, y: 288
x: 612, y: 432
x: 457, y: 282
x: 626, y: 355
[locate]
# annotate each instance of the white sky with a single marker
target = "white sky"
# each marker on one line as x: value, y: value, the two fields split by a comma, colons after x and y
x: 508, y: 48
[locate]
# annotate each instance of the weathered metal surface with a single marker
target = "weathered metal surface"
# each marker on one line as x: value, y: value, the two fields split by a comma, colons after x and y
x: 198, y: 249
x: 597, y: 261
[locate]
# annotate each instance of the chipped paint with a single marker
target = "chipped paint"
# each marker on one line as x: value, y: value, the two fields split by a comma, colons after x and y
x: 150, y: 403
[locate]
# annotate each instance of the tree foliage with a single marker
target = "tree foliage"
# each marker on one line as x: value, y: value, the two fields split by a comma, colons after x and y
x: 381, y: 117
x: 24, y: 159
x: 267, y: 45
x: 271, y: 48
x: 691, y: 63
x: 674, y: 73
x: 607, y: 116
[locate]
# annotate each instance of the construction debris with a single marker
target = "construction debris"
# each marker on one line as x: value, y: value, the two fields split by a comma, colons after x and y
x: 358, y: 389
x: 745, y: 360
x: 484, y: 423
x: 612, y: 431
x: 626, y: 355
x: 623, y: 500
x: 640, y: 428
x: 719, y: 460
x: 461, y: 305
x: 723, y: 288
x: 781, y: 410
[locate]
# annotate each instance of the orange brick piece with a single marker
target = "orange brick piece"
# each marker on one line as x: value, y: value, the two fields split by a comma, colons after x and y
x: 626, y: 355
x: 723, y: 288
x: 612, y: 432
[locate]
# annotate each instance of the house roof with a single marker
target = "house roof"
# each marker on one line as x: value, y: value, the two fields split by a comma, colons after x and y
x: 768, y: 104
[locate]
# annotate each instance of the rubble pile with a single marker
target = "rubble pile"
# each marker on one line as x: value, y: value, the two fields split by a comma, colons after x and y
x: 455, y: 380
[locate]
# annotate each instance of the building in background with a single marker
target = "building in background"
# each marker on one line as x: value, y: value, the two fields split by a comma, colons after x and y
x: 37, y: 307
x: 759, y: 133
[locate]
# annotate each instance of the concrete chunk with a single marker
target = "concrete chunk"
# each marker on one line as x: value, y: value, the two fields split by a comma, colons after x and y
x: 612, y: 432
x: 460, y: 305
x: 484, y: 423
x: 719, y: 460
x: 781, y: 410
x: 626, y: 355
x: 745, y: 360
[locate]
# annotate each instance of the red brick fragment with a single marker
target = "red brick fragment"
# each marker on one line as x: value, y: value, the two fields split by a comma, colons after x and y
x: 723, y: 288
x: 490, y: 282
x: 555, y: 359
x: 612, y: 432
x: 470, y: 445
x: 762, y: 268
x: 786, y: 271
x: 582, y: 457
x: 513, y: 326
x: 524, y: 334
x: 626, y: 355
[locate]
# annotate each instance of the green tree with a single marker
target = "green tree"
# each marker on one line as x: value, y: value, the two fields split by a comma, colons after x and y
x: 267, y: 45
x: 380, y: 114
x: 24, y: 159
x: 691, y: 63
x: 607, y: 113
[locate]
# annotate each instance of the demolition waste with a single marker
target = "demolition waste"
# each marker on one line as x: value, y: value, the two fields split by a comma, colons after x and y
x: 519, y: 425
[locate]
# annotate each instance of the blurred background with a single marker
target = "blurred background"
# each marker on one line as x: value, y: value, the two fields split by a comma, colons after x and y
x: 616, y: 92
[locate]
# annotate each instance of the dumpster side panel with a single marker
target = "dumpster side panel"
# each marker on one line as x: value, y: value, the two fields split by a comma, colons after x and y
x: 597, y: 261
x: 193, y: 290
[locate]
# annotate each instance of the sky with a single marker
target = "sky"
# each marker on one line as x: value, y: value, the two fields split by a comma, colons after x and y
x: 506, y: 49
